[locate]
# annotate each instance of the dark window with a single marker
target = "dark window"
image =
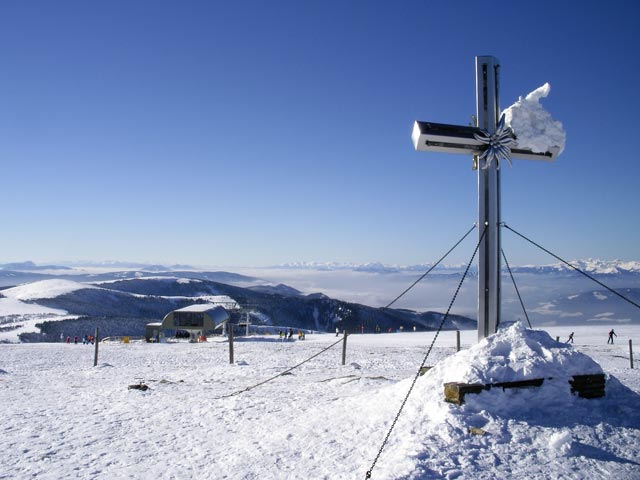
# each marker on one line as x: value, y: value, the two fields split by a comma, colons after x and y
x: 188, y: 319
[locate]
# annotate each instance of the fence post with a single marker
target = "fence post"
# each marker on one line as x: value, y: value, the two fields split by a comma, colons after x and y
x: 558, y: 339
x: 96, y: 342
x: 457, y: 340
x: 344, y: 347
x: 230, y: 332
x: 630, y: 353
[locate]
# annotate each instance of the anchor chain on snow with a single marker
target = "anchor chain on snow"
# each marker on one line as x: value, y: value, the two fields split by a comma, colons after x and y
x: 424, y: 360
x: 279, y: 374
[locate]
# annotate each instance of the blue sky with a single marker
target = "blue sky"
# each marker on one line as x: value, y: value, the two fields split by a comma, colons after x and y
x: 257, y: 133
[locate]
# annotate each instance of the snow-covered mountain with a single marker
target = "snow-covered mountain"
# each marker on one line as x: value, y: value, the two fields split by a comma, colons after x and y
x: 30, y: 266
x: 591, y: 266
x: 17, y: 276
x: 54, y: 307
x: 310, y: 295
x: 112, y: 269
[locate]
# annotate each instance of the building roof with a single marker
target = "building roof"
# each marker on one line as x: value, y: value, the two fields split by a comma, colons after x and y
x: 212, y: 302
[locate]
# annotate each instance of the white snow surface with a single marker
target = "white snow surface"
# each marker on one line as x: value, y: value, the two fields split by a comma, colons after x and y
x: 63, y: 418
x: 44, y: 289
x: 16, y: 308
x: 533, y: 126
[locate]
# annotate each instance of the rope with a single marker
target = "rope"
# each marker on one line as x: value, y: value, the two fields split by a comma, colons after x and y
x: 575, y: 268
x: 516, y: 287
x: 430, y: 269
x: 424, y: 360
x: 280, y: 374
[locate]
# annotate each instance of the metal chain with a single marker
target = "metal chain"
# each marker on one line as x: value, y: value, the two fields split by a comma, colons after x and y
x: 424, y: 360
x: 332, y: 345
x: 281, y: 373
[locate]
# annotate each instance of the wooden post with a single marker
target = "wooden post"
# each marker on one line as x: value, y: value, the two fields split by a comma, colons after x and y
x: 344, y: 347
x: 630, y: 353
x: 96, y: 341
x: 558, y: 339
x: 230, y: 332
x: 457, y: 340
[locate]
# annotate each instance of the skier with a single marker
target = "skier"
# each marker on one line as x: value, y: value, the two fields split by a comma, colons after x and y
x: 337, y: 331
x: 570, y: 340
x: 611, y: 334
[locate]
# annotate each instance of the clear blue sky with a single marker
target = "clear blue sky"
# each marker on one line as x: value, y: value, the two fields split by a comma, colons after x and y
x: 256, y: 133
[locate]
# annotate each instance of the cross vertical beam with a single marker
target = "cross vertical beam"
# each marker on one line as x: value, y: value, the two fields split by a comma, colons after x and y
x: 489, y: 279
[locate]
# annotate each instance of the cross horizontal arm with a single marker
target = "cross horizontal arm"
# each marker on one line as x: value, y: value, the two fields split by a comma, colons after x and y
x: 441, y: 137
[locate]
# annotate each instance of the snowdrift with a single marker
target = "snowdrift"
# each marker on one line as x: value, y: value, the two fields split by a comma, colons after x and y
x: 515, y: 354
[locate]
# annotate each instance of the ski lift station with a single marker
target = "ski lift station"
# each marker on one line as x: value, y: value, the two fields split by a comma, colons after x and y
x: 198, y: 319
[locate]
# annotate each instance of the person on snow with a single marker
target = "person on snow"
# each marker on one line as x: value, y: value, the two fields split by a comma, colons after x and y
x: 611, y: 334
x: 570, y: 340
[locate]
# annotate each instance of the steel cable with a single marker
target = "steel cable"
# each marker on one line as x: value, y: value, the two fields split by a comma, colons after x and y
x: 430, y: 269
x: 575, y: 268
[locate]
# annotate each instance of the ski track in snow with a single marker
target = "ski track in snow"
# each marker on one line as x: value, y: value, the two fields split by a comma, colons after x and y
x: 64, y: 418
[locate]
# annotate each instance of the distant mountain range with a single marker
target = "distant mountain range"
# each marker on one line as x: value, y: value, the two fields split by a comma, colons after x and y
x: 29, y: 266
x: 591, y: 266
x: 12, y: 277
x: 122, y: 301
x: 124, y: 306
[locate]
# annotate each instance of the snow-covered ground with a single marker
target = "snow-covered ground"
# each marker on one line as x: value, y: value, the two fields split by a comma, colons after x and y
x: 18, y: 317
x: 64, y: 418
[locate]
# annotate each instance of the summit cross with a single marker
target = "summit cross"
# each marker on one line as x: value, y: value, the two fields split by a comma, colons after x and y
x: 489, y: 142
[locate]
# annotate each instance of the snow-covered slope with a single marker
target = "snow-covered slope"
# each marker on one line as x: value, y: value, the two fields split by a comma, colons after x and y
x: 44, y: 289
x: 63, y: 418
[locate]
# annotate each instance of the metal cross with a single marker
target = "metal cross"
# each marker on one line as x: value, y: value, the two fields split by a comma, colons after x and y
x: 489, y: 142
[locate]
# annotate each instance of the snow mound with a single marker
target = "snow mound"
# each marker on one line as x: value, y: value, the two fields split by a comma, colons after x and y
x: 560, y: 442
x: 513, y: 354
x: 44, y: 289
x: 532, y: 124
